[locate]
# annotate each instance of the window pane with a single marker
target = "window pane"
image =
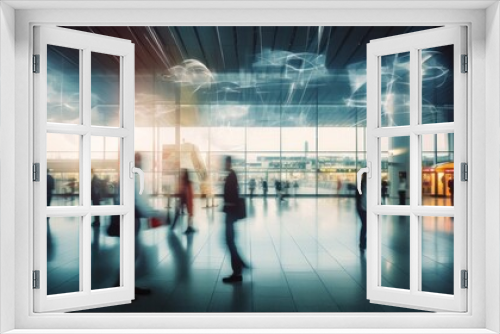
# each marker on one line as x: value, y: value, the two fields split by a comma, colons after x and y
x: 63, y: 169
x: 264, y: 168
x: 437, y: 84
x: 63, y: 255
x: 263, y: 138
x: 105, y: 85
x: 395, y: 170
x: 337, y: 173
x: 437, y: 169
x: 196, y: 136
x: 63, y: 85
x: 105, y: 164
x: 395, y: 89
x: 105, y: 253
x: 337, y: 139
x: 395, y: 251
x: 437, y: 254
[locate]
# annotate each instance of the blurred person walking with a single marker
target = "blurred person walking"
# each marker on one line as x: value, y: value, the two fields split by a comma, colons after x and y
x: 264, y: 188
x: 251, y: 186
x: 361, y: 209
x: 50, y: 188
x: 185, y: 200
x: 96, y: 195
x: 142, y: 210
x: 231, y: 198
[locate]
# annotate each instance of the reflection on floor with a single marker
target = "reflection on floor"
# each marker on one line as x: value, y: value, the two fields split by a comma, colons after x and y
x: 303, y: 252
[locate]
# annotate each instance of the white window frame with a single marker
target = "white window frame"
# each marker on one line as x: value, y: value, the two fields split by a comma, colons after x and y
x: 414, y: 43
x: 484, y: 236
x: 86, y: 44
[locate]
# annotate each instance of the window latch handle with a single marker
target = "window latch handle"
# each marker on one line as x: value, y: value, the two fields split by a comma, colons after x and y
x: 134, y: 170
x: 367, y: 170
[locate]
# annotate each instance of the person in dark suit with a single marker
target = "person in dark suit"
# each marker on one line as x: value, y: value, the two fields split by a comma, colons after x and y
x: 231, y: 197
x: 451, y: 186
x: 95, y: 195
x: 361, y: 209
x: 50, y: 187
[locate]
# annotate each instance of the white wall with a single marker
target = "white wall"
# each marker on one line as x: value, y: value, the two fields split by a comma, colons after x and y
x: 492, y: 149
x: 7, y: 185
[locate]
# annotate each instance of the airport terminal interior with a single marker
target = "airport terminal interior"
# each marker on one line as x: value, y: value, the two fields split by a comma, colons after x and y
x: 288, y: 105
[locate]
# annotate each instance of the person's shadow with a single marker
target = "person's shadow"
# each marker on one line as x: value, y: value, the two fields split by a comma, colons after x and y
x: 181, y: 256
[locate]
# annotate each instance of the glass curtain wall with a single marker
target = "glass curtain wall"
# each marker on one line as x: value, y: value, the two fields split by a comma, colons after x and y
x: 287, y: 125
x: 287, y: 103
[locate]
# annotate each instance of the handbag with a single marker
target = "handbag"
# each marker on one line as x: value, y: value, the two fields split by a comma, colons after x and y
x: 241, y: 208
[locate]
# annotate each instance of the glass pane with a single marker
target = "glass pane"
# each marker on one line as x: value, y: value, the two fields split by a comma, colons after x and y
x: 297, y: 182
x: 105, y: 85
x: 298, y: 139
x: 437, y: 84
x: 395, y: 170
x: 227, y: 139
x: 395, y: 89
x: 263, y: 139
x: 105, y: 183
x: 337, y: 173
x: 63, y: 255
x: 341, y: 139
x: 63, y: 85
x: 228, y: 127
x: 437, y: 169
x: 105, y: 253
x: 264, y: 168
x: 195, y: 136
x: 395, y: 251
x: 437, y: 254
x: 63, y: 169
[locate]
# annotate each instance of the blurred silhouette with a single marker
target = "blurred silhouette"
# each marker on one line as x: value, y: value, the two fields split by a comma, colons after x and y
x: 451, y: 186
x: 185, y: 200
x: 277, y: 188
x: 264, y: 188
x: 295, y: 187
x: 251, y: 186
x: 231, y: 197
x: 181, y: 256
x: 361, y: 209
x: 385, y: 187
x: 402, y: 189
x: 142, y: 210
x: 96, y: 195
x: 50, y: 187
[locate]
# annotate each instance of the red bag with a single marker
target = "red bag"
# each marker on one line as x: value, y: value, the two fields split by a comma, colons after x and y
x: 154, y: 222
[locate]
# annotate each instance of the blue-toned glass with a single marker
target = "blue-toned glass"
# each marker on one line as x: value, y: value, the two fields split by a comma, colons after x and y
x: 105, y: 85
x: 395, y: 251
x: 437, y: 85
x: 63, y: 85
x: 437, y: 254
x: 395, y: 90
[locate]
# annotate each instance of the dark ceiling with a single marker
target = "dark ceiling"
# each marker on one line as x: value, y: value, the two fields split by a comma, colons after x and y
x: 229, y: 49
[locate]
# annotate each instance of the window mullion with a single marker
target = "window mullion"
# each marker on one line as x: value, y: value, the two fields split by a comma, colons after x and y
x: 415, y: 251
x: 85, y: 167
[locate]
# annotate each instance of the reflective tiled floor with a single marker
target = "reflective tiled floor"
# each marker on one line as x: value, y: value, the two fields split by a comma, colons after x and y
x: 303, y: 252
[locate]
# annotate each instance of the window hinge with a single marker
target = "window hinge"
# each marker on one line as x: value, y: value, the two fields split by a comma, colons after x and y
x: 36, y: 63
x: 464, y: 171
x: 465, y: 63
x: 36, y: 172
x: 36, y: 279
x: 465, y: 279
